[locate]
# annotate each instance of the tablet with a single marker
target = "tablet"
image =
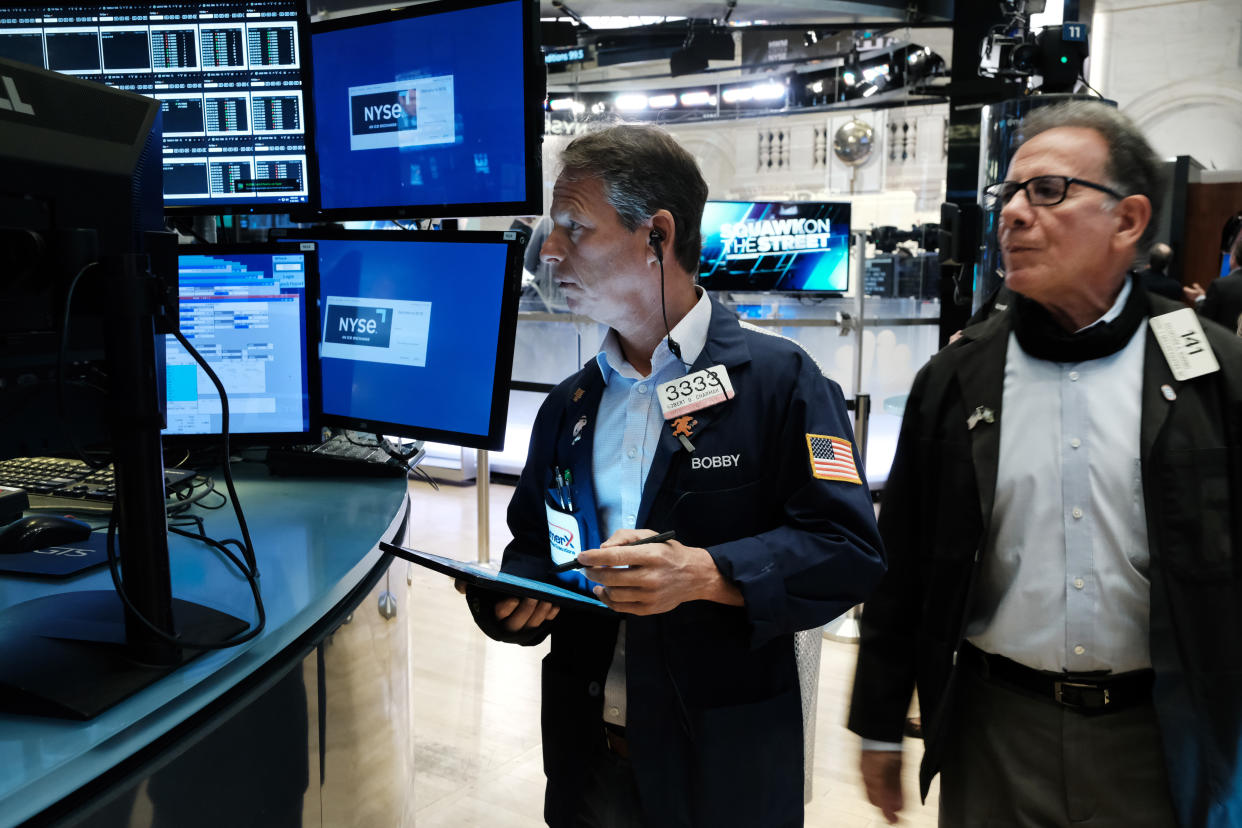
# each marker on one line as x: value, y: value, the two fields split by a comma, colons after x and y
x: 487, y: 578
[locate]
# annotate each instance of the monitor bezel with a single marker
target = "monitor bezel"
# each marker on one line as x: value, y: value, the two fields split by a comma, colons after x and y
x: 175, y: 210
x: 310, y: 356
x: 807, y: 292
x: 533, y: 93
x: 502, y: 375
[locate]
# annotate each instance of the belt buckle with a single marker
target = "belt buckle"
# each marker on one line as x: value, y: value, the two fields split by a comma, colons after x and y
x: 1077, y: 694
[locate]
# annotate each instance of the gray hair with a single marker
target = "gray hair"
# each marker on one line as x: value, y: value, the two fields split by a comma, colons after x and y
x: 643, y: 169
x: 1133, y: 167
x: 1160, y: 256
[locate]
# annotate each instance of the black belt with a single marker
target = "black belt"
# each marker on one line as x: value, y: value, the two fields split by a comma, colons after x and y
x: 1086, y: 693
x: 614, y: 738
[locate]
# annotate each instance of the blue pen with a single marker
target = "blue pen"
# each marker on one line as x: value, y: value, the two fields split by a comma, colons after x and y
x: 569, y: 491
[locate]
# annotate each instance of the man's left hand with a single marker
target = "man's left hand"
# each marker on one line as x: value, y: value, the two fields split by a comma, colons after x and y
x: 656, y: 577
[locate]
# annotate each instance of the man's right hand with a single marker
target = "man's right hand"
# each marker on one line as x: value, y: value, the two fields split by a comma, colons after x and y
x: 881, y: 772
x: 524, y: 613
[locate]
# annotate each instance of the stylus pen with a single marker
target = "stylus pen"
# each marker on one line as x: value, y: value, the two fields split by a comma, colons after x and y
x: 660, y: 538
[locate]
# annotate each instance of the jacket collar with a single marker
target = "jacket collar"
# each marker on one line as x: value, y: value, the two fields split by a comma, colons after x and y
x: 980, y: 357
x: 726, y: 345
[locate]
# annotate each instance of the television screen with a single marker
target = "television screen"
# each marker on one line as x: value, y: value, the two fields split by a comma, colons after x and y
x: 775, y: 246
x: 228, y: 76
x: 1224, y: 264
x: 416, y: 332
x: 245, y: 309
x: 443, y: 117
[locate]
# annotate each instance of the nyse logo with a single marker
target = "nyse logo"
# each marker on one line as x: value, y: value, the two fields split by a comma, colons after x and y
x: 355, y: 325
x: 382, y: 112
x: 12, y: 100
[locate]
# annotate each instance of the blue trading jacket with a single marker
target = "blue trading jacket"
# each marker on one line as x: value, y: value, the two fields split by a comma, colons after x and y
x: 714, y: 722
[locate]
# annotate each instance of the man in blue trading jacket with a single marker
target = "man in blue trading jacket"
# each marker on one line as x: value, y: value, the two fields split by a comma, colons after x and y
x: 683, y: 708
x: 1063, y: 526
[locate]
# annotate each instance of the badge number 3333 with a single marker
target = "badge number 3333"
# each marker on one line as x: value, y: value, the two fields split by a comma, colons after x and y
x: 694, y: 391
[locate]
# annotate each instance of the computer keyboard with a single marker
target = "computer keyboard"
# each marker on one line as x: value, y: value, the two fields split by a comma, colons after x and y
x: 335, y: 456
x: 60, y: 483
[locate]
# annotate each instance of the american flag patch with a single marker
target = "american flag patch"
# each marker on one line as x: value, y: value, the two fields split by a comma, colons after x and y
x: 832, y: 458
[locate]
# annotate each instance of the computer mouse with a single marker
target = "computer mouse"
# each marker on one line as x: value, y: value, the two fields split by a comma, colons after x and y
x: 39, y: 532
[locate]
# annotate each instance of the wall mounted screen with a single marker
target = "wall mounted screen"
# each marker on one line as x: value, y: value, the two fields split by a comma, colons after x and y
x: 441, y: 118
x: 228, y: 76
x: 249, y: 310
x: 772, y: 246
x: 416, y: 338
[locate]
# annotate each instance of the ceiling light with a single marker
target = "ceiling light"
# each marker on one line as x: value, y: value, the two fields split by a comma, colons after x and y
x: 768, y: 91
x: 630, y: 103
x: 698, y: 99
x: 738, y: 94
x: 562, y: 104
x: 662, y: 101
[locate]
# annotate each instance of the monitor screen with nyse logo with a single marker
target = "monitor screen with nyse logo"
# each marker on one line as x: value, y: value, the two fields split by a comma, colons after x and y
x: 417, y: 331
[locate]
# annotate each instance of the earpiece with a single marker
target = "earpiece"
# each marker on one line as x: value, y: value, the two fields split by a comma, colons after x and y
x: 656, y: 240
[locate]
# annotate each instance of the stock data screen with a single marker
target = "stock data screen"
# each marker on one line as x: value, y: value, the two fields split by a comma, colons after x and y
x: 228, y: 76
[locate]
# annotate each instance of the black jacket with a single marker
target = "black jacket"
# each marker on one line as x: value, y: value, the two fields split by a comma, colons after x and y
x: 934, y: 517
x: 1223, y: 301
x: 714, y: 718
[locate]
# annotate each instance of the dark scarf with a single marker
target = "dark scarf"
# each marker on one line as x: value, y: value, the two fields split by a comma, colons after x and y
x: 1041, y: 337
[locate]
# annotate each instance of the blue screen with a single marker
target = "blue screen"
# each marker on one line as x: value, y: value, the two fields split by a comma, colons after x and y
x: 425, y: 110
x: 1224, y: 264
x: 246, y: 315
x: 410, y: 331
x: 775, y: 246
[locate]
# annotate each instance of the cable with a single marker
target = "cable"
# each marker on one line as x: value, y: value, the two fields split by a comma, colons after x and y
x: 250, y: 576
x: 224, y: 435
x: 657, y: 239
x: 61, y: 354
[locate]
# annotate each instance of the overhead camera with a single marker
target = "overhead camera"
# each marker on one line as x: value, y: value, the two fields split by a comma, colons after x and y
x: 1055, y: 54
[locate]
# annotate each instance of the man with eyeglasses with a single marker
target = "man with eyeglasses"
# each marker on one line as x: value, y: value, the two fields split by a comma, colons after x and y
x: 1064, y: 527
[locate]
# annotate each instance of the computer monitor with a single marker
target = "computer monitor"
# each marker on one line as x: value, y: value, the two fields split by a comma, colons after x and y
x: 228, y: 75
x: 775, y: 246
x: 432, y: 110
x: 250, y: 311
x: 416, y: 331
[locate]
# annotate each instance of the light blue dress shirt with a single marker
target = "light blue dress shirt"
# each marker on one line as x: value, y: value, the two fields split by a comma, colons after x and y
x: 1063, y: 584
x: 627, y: 433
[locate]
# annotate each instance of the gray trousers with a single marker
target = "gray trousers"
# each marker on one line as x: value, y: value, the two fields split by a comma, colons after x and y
x: 1017, y: 760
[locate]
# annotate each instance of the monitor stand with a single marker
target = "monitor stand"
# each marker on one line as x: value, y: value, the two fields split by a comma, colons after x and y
x: 76, y: 653
x: 66, y: 655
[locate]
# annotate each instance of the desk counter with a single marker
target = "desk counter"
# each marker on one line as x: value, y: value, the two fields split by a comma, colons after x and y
x: 315, y: 540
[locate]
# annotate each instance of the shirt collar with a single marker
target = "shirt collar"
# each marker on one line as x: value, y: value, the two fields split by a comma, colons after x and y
x: 690, y: 334
x: 1115, y: 311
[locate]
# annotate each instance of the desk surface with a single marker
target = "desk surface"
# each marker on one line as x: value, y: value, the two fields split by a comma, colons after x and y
x: 315, y: 541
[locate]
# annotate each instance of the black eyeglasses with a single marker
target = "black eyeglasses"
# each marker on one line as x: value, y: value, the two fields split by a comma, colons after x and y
x: 1041, y: 191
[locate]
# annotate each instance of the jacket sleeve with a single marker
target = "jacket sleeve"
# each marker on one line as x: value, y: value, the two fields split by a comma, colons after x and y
x: 825, y: 556
x: 527, y: 554
x: 885, y: 677
x: 1212, y: 306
